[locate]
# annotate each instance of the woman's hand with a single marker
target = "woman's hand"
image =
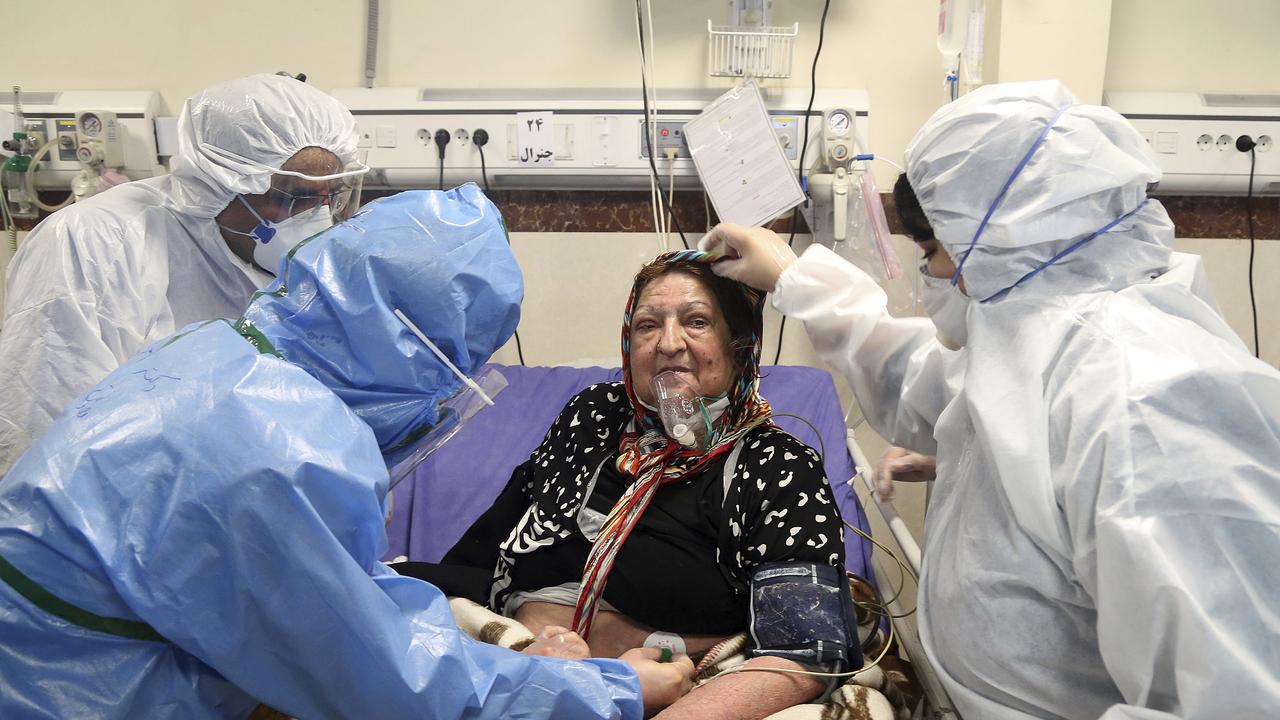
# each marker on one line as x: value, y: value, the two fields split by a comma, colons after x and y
x: 558, y: 642
x: 903, y: 465
x: 660, y: 683
x: 753, y: 255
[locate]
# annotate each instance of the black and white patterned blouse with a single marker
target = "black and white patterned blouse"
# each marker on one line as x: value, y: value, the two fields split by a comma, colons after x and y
x: 686, y: 565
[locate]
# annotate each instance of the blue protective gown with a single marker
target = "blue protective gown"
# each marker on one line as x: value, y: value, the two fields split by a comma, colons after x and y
x: 201, y: 531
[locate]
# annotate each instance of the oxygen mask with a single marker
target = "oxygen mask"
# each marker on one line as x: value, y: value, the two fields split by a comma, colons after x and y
x: 684, y: 414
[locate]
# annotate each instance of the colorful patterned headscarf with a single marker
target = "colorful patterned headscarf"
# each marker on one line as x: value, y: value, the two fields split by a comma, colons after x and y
x: 653, y: 459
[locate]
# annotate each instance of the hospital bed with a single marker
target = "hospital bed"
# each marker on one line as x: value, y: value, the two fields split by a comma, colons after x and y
x: 436, y: 503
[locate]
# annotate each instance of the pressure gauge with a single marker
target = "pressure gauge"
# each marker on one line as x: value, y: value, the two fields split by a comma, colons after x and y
x: 839, y: 122
x: 837, y: 136
x: 99, y: 138
x: 90, y: 125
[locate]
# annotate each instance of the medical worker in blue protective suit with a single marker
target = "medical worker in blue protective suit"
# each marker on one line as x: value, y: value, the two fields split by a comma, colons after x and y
x: 200, y: 532
x: 1103, y: 535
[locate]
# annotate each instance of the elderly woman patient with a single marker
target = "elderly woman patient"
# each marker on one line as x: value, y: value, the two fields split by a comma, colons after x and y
x: 632, y: 530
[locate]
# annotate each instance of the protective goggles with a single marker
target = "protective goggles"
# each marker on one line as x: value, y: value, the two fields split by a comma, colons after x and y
x: 343, y: 197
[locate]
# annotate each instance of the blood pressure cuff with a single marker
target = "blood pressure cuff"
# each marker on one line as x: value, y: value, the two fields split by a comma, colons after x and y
x: 803, y: 612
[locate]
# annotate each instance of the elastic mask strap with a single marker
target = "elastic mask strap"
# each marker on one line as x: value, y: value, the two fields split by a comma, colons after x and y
x: 1070, y: 249
x: 249, y: 207
x: 432, y: 347
x: 268, y: 231
x: 1004, y: 190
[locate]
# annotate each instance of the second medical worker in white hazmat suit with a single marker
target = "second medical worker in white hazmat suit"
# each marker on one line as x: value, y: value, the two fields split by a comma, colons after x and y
x: 262, y: 163
x: 1103, y: 533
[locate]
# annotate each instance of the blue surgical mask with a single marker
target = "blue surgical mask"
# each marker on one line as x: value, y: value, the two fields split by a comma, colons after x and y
x: 272, y: 241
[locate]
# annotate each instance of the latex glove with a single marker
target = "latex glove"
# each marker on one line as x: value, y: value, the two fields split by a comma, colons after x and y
x: 902, y: 465
x: 558, y: 642
x: 753, y: 255
x: 660, y: 683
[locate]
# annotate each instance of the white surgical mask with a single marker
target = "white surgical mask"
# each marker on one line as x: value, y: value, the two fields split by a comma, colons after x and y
x: 272, y: 241
x: 947, y: 307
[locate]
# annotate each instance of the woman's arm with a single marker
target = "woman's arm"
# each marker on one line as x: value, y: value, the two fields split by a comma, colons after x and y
x: 747, y: 695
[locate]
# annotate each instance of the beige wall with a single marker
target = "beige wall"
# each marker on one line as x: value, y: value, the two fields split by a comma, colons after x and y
x: 884, y: 46
x: 1064, y: 40
x: 177, y: 48
x: 1194, y: 45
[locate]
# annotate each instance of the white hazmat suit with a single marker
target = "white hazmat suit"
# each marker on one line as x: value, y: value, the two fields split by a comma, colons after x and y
x: 1103, y: 535
x: 101, y: 279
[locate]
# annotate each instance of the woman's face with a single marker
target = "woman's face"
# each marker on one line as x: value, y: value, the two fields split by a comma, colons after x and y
x: 937, y: 263
x: 677, y: 324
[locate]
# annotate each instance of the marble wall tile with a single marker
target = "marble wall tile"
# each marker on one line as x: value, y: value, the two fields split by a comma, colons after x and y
x: 628, y: 211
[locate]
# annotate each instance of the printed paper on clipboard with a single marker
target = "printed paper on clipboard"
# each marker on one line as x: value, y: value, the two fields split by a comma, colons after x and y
x: 739, y: 159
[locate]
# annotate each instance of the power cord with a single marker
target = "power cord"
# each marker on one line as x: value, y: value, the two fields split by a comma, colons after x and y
x: 804, y: 150
x: 648, y: 140
x: 671, y: 186
x: 442, y: 139
x: 481, y: 138
x: 1244, y: 143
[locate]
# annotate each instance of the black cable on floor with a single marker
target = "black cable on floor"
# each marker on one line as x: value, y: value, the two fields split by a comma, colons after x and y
x: 804, y: 149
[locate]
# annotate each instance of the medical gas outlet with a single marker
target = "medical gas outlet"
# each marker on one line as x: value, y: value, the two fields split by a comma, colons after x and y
x: 667, y: 134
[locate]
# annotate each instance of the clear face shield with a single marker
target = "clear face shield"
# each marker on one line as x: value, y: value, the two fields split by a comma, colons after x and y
x: 476, y: 393
x: 454, y: 413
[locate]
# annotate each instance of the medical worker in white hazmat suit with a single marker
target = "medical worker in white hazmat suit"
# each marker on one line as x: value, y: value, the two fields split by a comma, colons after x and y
x: 1103, y: 533
x: 262, y: 163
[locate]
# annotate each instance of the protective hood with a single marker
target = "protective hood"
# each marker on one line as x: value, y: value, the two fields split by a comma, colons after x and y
x: 1090, y: 169
x: 233, y: 136
x: 443, y: 259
